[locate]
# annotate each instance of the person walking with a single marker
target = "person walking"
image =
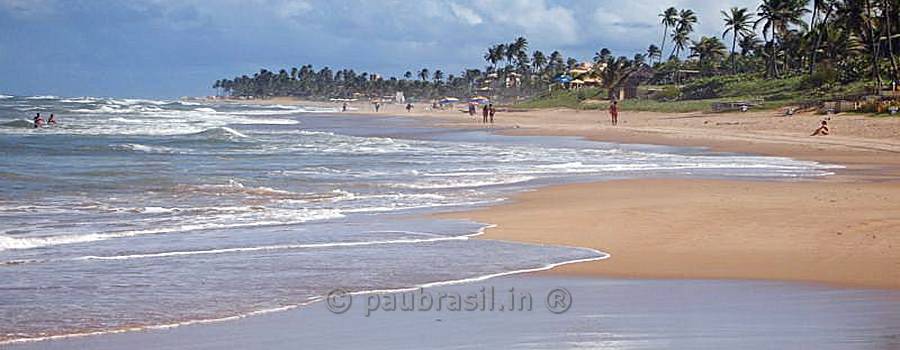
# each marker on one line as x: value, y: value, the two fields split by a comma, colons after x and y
x: 491, y: 112
x: 614, y: 112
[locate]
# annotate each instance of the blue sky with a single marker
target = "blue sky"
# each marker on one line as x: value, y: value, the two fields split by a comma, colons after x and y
x: 172, y: 48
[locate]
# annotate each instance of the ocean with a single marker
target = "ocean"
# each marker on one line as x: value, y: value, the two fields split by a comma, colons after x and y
x: 135, y: 214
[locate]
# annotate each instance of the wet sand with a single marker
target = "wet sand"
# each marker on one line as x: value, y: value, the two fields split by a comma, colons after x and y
x: 603, y: 313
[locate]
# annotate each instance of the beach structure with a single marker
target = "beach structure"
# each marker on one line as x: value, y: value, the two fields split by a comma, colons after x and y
x: 584, y: 74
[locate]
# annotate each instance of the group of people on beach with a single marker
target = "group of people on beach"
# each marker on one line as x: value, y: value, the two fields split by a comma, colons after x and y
x: 487, y: 113
x: 39, y: 121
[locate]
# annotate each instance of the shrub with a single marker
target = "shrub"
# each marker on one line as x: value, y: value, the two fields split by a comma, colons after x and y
x: 823, y: 76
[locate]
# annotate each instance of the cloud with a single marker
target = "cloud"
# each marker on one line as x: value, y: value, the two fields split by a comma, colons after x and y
x: 168, y: 44
x: 465, y: 14
x: 294, y: 8
x: 533, y: 18
x: 27, y: 8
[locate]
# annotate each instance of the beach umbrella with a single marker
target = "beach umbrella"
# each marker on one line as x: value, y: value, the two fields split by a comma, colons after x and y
x: 448, y: 100
x: 480, y: 100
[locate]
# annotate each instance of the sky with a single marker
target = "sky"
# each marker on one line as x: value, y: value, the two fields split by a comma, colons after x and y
x: 173, y: 48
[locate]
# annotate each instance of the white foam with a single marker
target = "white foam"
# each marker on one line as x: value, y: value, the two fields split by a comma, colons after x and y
x: 146, y: 149
x: 271, y: 248
x: 283, y: 217
x: 465, y: 183
x: 42, y: 97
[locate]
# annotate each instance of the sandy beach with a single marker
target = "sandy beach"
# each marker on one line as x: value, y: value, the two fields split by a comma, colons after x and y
x: 843, y: 229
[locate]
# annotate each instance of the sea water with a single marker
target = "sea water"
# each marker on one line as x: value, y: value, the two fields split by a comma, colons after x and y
x: 134, y: 214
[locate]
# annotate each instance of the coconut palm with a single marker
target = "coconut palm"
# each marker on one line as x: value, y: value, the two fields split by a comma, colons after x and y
x: 680, y: 39
x: 653, y: 52
x: 738, y: 23
x: 615, y: 73
x: 603, y: 55
x: 777, y: 17
x: 538, y: 62
x: 424, y: 74
x: 669, y: 19
x: 708, y: 51
x: 749, y: 44
x: 683, y: 29
x: 438, y: 76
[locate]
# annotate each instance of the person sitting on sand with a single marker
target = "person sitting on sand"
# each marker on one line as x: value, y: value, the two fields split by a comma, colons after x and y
x: 52, y: 120
x: 614, y: 112
x: 491, y: 111
x: 38, y: 121
x: 409, y: 107
x: 822, y: 130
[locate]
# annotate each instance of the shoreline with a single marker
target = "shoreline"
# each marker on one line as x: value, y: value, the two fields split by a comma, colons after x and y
x: 839, y: 230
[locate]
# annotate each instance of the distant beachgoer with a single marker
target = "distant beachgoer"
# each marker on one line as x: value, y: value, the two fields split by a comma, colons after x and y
x: 472, y: 109
x: 377, y: 106
x: 344, y: 108
x: 52, y: 120
x: 484, y: 114
x: 822, y: 130
x: 614, y: 112
x: 491, y: 111
x: 38, y: 121
x: 409, y: 107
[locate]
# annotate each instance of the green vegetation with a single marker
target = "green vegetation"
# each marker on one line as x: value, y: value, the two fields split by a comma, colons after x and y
x: 772, y: 56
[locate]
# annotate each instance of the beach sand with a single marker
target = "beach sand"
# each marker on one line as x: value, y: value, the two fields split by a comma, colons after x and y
x: 843, y: 229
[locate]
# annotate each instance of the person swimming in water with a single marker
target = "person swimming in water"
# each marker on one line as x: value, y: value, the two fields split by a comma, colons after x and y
x: 38, y: 121
x: 52, y: 120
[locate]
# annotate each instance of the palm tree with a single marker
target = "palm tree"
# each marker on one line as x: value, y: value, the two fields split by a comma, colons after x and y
x: 408, y: 75
x: 749, y: 44
x: 683, y: 29
x: 709, y: 51
x: 519, y: 45
x: 603, y: 55
x: 653, y: 52
x: 539, y: 62
x: 669, y: 19
x: 424, y: 74
x: 438, y: 76
x: 777, y: 17
x: 737, y: 22
x: 616, y: 72
x: 680, y: 39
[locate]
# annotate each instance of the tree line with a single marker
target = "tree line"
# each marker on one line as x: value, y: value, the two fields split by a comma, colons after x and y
x: 843, y: 41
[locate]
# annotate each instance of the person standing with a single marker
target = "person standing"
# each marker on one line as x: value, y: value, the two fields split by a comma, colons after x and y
x: 484, y: 114
x: 614, y: 112
x: 491, y: 111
